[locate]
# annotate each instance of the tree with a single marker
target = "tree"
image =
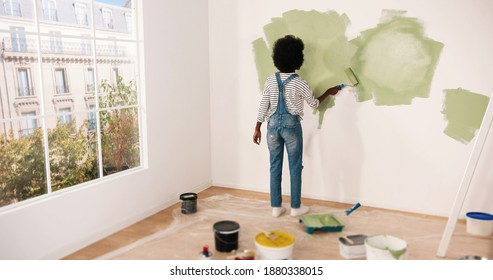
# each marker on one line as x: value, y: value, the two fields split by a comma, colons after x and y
x: 22, y: 167
x: 22, y: 162
x: 119, y: 126
x: 72, y: 156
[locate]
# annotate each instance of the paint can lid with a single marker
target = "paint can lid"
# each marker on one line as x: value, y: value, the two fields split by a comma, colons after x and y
x: 480, y: 216
x: 226, y: 227
x: 188, y: 196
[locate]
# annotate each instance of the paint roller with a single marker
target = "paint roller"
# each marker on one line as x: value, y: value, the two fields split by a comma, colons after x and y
x: 356, y: 206
x: 352, y: 77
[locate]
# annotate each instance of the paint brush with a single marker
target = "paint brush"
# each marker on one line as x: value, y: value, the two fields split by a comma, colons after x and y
x: 352, y: 77
x: 349, y: 211
x: 269, y: 234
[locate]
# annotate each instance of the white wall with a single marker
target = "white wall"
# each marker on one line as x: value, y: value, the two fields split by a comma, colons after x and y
x: 178, y: 125
x: 394, y: 157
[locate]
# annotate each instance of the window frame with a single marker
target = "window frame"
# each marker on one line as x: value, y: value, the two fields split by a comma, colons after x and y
x: 11, y: 5
x: 52, y: 14
x: 64, y: 88
x: 28, y: 81
x: 85, y: 19
x: 107, y: 21
x: 45, y: 96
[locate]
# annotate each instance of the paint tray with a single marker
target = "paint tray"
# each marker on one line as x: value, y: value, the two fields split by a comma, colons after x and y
x: 321, y: 222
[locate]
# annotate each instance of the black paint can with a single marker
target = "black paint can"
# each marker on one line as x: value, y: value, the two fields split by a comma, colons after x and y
x: 188, y: 203
x: 226, y: 235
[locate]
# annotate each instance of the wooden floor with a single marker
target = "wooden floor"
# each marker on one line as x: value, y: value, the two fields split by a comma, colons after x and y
x: 164, y: 218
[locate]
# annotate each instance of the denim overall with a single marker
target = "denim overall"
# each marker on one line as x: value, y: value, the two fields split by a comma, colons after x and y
x: 284, y: 129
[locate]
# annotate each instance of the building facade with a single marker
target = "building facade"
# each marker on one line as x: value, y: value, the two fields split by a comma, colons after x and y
x: 54, y: 54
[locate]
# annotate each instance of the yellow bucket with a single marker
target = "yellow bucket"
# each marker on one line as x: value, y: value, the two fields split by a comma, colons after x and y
x: 276, y: 245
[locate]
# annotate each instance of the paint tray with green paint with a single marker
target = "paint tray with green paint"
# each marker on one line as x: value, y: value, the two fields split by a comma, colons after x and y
x: 322, y: 222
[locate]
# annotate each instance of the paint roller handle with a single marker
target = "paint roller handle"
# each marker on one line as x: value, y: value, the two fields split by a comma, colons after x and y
x: 331, y: 91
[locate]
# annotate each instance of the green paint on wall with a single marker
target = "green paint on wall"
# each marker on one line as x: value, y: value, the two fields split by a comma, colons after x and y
x: 464, y: 111
x: 265, y: 67
x: 327, y: 50
x: 395, y: 62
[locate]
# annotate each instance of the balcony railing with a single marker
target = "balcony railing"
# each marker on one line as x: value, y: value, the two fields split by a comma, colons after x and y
x: 26, y: 91
x: 69, y: 48
x: 26, y: 131
x: 62, y: 89
x: 90, y: 88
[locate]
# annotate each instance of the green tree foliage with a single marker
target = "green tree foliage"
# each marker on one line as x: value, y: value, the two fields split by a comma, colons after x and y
x: 119, y: 126
x: 22, y: 162
x: 72, y: 152
x: 72, y: 156
x: 22, y: 173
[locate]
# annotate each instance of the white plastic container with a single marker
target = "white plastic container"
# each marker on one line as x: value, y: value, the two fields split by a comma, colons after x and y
x: 355, y: 250
x: 385, y: 247
x: 479, y: 223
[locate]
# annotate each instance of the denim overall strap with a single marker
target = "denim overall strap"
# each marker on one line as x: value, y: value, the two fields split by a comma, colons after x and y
x: 281, y: 103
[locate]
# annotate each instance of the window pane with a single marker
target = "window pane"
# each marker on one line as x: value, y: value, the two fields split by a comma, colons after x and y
x: 90, y: 80
x: 117, y: 78
x: 73, y: 152
x: 22, y: 163
x: 12, y: 8
x: 24, y: 82
x: 116, y: 20
x: 81, y: 15
x: 50, y: 10
x: 79, y: 64
x: 119, y: 140
x: 18, y: 73
x: 28, y: 124
x: 61, y: 85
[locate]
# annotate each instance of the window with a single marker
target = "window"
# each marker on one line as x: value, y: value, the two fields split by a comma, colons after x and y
x: 114, y: 75
x: 128, y: 21
x: 81, y: 13
x: 56, y: 42
x: 61, y: 81
x: 49, y: 10
x: 90, y: 85
x: 29, y: 124
x: 66, y: 117
x: 12, y: 7
x: 107, y: 18
x: 18, y: 39
x: 23, y: 77
x: 69, y: 127
x: 86, y: 46
x: 92, y: 119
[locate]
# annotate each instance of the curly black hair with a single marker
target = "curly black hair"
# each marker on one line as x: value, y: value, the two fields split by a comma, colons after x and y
x: 288, y: 53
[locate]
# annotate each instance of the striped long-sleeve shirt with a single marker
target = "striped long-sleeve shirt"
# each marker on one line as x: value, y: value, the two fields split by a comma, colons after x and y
x: 296, y: 92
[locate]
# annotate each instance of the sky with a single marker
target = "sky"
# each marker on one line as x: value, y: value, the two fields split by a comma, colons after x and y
x: 113, y: 2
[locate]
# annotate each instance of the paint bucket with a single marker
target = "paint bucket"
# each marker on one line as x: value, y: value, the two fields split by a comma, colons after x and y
x: 226, y: 235
x: 353, y: 250
x: 479, y: 223
x: 188, y: 203
x: 277, y: 246
x: 385, y: 247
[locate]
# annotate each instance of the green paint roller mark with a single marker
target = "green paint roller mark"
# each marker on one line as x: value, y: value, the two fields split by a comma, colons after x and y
x: 464, y: 111
x: 327, y: 50
x: 395, y: 62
